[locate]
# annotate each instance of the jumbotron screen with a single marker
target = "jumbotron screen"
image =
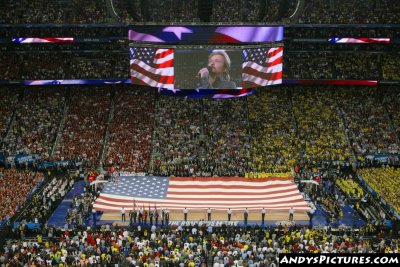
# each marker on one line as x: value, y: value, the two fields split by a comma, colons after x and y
x: 205, y: 34
x: 181, y: 68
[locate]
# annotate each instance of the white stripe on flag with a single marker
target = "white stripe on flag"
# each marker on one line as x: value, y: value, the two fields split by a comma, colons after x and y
x: 301, y: 207
x: 279, y: 55
x: 160, y: 71
x: 260, y: 81
x: 151, y: 82
x: 164, y: 59
x: 255, y: 66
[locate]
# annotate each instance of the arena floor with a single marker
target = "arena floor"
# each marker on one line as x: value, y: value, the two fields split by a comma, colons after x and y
x: 201, y: 215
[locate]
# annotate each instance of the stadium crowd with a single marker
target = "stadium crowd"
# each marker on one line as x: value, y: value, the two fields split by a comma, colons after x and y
x: 37, y: 66
x: 357, y: 66
x: 385, y: 181
x: 99, y: 65
x: 314, y: 11
x: 177, y: 137
x: 9, y: 67
x: 171, y: 10
x: 271, y: 126
x: 130, y: 142
x: 350, y: 187
x: 56, y: 65
x: 15, y: 185
x: 36, y: 122
x: 85, y: 124
x: 366, y: 122
x: 309, y: 66
x: 76, y: 11
x: 201, y: 137
x: 320, y: 134
x: 190, y: 245
x: 229, y: 11
x: 391, y: 102
x: 227, y: 139
x: 91, y: 11
x: 390, y: 64
x: 342, y: 12
x: 8, y: 101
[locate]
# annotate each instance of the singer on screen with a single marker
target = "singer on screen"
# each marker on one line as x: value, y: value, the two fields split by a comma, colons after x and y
x: 216, y: 74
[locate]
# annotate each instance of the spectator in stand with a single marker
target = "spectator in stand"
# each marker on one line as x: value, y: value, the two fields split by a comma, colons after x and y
x: 308, y: 65
x: 8, y: 101
x: 227, y: 244
x: 315, y: 11
x: 357, y: 65
x: 177, y: 137
x: 9, y: 66
x: 36, y: 123
x: 227, y: 11
x: 130, y: 141
x: 252, y: 11
x: 95, y: 65
x: 368, y: 128
x: 85, y: 125
x: 342, y: 12
x: 390, y: 65
x: 227, y: 139
x: 51, y: 65
x: 391, y: 102
x: 171, y: 10
x: 274, y: 145
x: 15, y: 186
x: 34, y: 12
x: 91, y: 11
x: 385, y: 181
x: 319, y: 131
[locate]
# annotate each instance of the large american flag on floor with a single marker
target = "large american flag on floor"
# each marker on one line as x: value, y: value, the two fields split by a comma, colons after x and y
x: 219, y: 193
x: 262, y: 67
x: 152, y: 66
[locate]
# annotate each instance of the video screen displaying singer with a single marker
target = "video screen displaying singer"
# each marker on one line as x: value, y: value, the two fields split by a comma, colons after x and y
x: 208, y: 69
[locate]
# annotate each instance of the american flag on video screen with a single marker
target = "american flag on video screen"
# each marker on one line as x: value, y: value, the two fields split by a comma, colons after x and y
x: 152, y: 66
x: 360, y: 40
x: 44, y: 40
x: 201, y: 193
x: 262, y: 67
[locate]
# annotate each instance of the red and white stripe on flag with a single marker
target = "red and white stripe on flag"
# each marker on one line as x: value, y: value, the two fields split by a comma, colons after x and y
x: 218, y: 193
x: 262, y: 67
x: 159, y: 74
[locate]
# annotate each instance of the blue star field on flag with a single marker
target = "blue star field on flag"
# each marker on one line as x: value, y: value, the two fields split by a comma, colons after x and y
x: 257, y: 55
x: 140, y: 187
x: 145, y: 54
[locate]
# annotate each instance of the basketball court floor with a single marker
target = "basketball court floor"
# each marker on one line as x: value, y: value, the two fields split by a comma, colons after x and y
x: 273, y: 217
